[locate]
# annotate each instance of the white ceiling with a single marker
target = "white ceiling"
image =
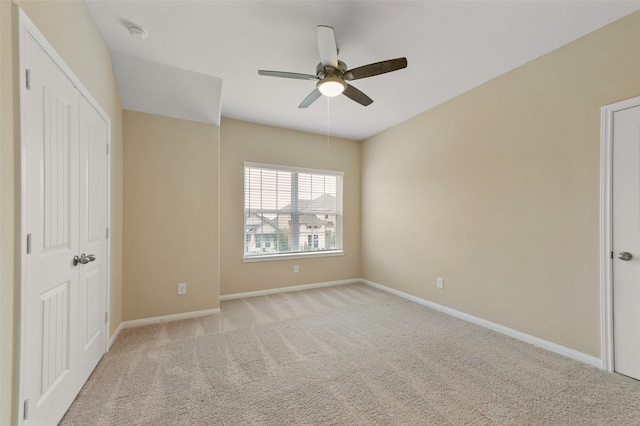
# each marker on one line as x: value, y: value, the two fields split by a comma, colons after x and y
x: 451, y: 47
x: 161, y: 89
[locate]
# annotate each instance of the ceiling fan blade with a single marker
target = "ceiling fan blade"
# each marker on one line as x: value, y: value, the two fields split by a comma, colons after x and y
x: 327, y: 46
x: 284, y: 74
x: 376, y: 69
x: 310, y: 99
x: 356, y: 95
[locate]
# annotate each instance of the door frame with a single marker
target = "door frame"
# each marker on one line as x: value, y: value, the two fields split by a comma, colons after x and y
x: 606, y: 228
x: 25, y: 25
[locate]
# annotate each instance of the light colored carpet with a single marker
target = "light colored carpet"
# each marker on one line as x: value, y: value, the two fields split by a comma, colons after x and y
x: 342, y: 355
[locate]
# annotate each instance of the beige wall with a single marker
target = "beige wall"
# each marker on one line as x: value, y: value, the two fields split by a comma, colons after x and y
x: 61, y: 22
x: 170, y: 215
x: 497, y: 191
x: 241, y: 141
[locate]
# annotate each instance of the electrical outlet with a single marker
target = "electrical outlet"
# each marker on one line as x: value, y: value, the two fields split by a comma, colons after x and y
x: 440, y: 282
x: 296, y: 269
x: 182, y: 289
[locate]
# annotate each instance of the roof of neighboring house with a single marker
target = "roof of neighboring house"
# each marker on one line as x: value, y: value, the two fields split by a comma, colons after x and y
x: 314, y: 221
x: 323, y: 203
x: 257, y: 223
x: 311, y: 220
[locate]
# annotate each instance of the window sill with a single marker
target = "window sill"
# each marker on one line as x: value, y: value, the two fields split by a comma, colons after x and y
x: 267, y: 258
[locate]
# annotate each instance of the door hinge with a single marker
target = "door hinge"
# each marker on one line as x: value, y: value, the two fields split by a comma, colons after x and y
x: 107, y: 149
x: 28, y: 77
x: 107, y: 233
x: 28, y: 243
x: 612, y: 255
x: 26, y: 410
x: 106, y: 317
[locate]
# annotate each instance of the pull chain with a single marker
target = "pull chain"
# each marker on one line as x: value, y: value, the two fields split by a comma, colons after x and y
x: 328, y: 113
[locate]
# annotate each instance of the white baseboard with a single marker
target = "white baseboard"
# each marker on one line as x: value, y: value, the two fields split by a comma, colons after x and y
x: 287, y: 289
x: 115, y: 335
x: 167, y: 318
x: 541, y: 343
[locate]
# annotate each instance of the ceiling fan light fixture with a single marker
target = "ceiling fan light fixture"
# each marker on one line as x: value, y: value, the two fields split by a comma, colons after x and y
x: 331, y: 86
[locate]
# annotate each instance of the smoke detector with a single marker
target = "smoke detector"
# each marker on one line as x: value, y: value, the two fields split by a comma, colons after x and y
x: 137, y: 32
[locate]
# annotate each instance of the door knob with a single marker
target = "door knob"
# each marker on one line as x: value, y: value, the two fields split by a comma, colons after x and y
x: 625, y: 256
x: 83, y: 259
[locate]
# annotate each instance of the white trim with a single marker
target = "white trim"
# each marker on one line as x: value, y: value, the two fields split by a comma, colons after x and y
x: 219, y: 221
x: 287, y: 289
x: 293, y: 169
x: 115, y: 335
x: 23, y: 22
x: 108, y: 248
x: 168, y: 318
x: 289, y: 256
x: 544, y: 344
x: 606, y: 226
x: 606, y: 285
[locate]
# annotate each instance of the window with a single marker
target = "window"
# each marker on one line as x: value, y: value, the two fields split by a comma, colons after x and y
x: 291, y: 210
x: 313, y: 244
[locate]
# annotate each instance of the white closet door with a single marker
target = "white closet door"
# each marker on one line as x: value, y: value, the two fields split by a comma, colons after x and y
x: 65, y: 199
x: 92, y: 235
x: 51, y: 183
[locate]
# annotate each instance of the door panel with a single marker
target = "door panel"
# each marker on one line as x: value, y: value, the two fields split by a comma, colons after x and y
x: 93, y: 227
x: 626, y: 239
x: 91, y: 289
x: 56, y: 148
x: 55, y: 336
x: 51, y: 280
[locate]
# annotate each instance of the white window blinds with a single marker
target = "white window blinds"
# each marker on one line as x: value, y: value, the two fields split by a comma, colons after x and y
x: 291, y: 210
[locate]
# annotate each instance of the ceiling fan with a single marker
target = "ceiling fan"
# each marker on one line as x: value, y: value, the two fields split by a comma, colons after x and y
x: 332, y: 75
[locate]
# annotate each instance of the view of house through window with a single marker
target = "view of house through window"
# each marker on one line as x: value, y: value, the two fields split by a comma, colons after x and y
x: 291, y: 210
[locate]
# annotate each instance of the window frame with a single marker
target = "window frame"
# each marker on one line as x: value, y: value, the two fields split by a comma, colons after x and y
x: 339, y: 214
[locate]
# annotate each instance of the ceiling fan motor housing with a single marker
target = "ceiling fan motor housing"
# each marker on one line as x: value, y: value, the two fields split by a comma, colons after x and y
x: 328, y: 71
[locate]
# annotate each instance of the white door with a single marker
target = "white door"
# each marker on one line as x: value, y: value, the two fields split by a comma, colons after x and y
x: 92, y: 237
x: 62, y: 338
x: 626, y: 241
